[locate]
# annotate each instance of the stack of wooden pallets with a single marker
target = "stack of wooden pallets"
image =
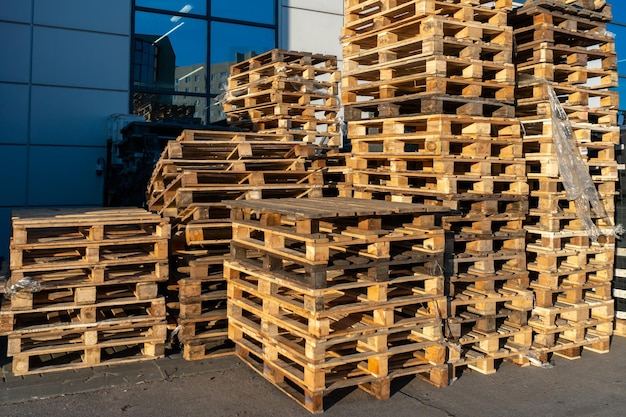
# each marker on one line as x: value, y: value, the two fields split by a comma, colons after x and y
x: 564, y: 46
x: 193, y: 177
x: 83, y: 288
x: 286, y: 92
x: 428, y: 88
x: 337, y: 292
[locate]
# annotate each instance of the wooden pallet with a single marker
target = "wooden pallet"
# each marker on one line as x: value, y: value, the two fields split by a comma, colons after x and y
x: 568, y: 259
x: 271, y: 121
x: 363, y: 17
x: 282, y: 77
x: 535, y: 92
x: 438, y: 127
x: 232, y: 180
x: 538, y: 137
x: 428, y: 66
x: 285, y: 57
x: 545, y: 32
x: 327, y: 360
x: 72, y: 277
x: 397, y: 149
x: 401, y: 88
x: 292, y: 380
x: 589, y: 9
x: 63, y: 314
x: 482, y: 351
x: 76, y: 226
x: 569, y: 74
x: 87, y: 254
x: 279, y: 102
x: 81, y: 295
x: 176, y: 198
x: 547, y: 202
x: 183, y: 151
x: 572, y: 317
x: 430, y: 183
x: 394, y: 44
x: 35, y: 354
x: 573, y: 288
x: 474, y: 201
x: 426, y: 103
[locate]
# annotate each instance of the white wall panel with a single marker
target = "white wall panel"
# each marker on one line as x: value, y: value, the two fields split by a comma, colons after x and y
x: 80, y: 59
x: 64, y: 176
x: 14, y: 113
x: 16, y: 10
x: 15, y: 52
x: 112, y: 16
x: 329, y: 6
x: 13, y: 168
x: 310, y: 31
x: 73, y: 116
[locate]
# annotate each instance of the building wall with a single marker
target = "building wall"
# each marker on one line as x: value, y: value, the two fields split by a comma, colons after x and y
x: 311, y: 26
x: 68, y: 71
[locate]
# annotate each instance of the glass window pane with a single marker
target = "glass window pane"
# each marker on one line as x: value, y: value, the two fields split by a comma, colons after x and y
x: 191, y: 109
x: 231, y: 43
x: 182, y: 6
x: 258, y: 11
x: 173, y: 50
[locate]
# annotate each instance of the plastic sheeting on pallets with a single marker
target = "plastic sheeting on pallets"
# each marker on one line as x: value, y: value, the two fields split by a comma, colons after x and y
x: 577, y: 181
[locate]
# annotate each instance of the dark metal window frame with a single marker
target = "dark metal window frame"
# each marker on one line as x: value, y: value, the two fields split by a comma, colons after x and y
x: 208, y: 95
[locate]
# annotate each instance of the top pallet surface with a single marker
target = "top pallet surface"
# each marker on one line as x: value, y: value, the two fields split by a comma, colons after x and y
x: 375, y: 15
x: 591, y: 9
x: 286, y: 57
x: 46, y: 225
x: 351, y: 6
x: 331, y: 207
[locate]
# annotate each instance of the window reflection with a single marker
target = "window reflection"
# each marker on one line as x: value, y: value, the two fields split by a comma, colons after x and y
x: 171, y: 68
x: 181, y: 6
x: 163, y: 107
x: 261, y: 11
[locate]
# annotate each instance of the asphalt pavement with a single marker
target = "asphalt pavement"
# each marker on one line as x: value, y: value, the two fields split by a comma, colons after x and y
x: 591, y: 386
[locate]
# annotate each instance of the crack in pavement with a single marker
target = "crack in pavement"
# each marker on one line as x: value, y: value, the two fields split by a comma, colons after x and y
x: 419, y: 400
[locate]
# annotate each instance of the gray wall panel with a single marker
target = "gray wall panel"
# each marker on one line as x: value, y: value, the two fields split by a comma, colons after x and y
x: 16, y: 10
x: 13, y: 168
x: 15, y: 49
x: 14, y: 113
x: 73, y: 116
x: 80, y: 59
x: 111, y: 16
x: 63, y: 176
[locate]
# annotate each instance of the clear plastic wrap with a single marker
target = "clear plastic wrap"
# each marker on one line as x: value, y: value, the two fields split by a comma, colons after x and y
x: 573, y: 170
x: 26, y: 284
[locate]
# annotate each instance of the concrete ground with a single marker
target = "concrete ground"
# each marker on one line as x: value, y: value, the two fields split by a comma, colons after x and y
x: 593, y: 385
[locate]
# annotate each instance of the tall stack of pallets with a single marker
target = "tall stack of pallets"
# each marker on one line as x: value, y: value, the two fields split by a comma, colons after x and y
x: 287, y: 92
x: 428, y: 90
x: 564, y: 47
x: 331, y: 293
x: 83, y: 288
x: 194, y: 175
